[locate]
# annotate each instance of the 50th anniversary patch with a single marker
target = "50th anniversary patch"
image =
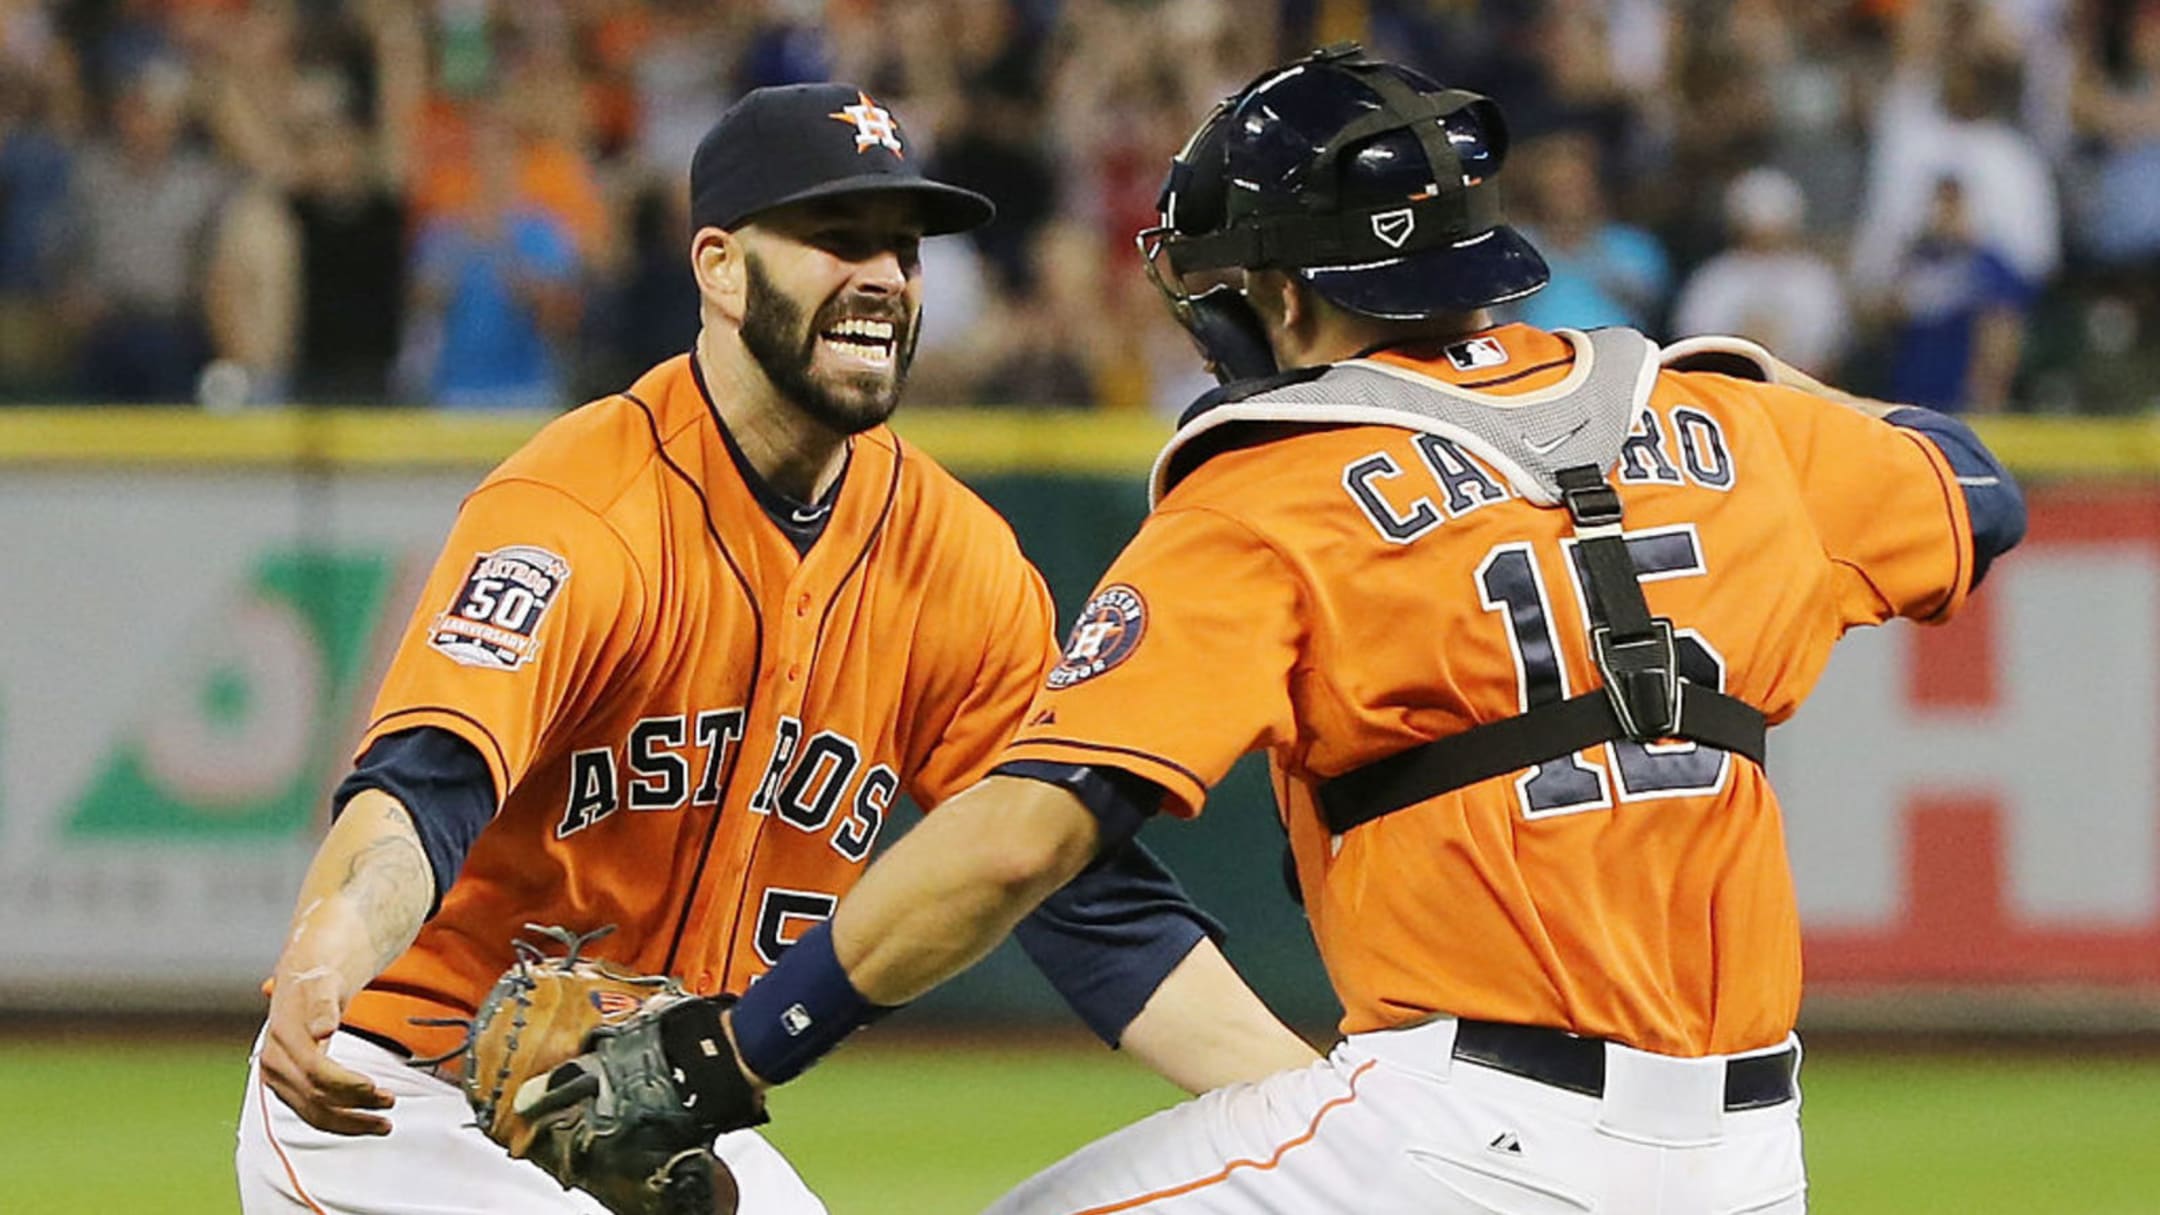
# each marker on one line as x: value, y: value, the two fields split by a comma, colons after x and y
x: 1109, y: 629
x: 494, y: 618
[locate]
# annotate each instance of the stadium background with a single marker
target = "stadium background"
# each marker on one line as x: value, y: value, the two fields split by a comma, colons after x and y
x: 236, y: 258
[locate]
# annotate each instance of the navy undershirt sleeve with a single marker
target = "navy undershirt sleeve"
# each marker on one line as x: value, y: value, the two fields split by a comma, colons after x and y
x: 1992, y: 497
x: 443, y: 782
x: 1120, y: 801
x: 1109, y: 937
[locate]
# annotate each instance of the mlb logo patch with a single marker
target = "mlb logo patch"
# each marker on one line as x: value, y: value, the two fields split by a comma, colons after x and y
x: 614, y: 1006
x: 495, y: 617
x: 1476, y: 353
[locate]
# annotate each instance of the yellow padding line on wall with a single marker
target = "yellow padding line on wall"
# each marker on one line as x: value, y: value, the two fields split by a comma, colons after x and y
x: 964, y: 440
x: 968, y: 441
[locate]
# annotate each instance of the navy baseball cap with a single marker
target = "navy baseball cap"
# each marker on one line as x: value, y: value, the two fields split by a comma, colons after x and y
x: 796, y: 142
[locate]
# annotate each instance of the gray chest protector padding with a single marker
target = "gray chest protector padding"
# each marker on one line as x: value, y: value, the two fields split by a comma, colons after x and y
x: 1527, y: 438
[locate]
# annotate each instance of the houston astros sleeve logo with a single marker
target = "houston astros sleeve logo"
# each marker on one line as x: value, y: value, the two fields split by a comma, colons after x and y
x: 1108, y: 631
x: 874, y: 125
x: 497, y: 612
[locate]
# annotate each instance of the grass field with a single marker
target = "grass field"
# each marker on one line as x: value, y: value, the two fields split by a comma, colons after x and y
x: 900, y: 1128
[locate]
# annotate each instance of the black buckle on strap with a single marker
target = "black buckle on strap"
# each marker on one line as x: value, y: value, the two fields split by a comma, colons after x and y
x: 1633, y: 649
x: 1642, y: 678
x: 1591, y: 500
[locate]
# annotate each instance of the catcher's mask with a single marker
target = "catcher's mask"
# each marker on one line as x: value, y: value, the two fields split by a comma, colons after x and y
x: 1370, y: 182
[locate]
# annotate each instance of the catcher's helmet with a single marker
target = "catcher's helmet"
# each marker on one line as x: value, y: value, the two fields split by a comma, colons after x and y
x: 1367, y: 180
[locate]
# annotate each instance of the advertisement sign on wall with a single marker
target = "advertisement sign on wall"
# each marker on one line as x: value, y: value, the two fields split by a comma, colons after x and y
x: 1980, y: 803
x: 183, y: 671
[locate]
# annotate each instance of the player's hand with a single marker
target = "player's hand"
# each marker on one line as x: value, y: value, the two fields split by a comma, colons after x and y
x: 296, y: 1064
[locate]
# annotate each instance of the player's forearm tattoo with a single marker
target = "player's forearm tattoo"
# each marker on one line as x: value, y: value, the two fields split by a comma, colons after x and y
x: 389, y: 884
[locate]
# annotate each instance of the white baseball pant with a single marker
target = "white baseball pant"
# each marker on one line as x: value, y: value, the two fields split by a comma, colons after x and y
x: 1393, y: 1123
x: 435, y: 1161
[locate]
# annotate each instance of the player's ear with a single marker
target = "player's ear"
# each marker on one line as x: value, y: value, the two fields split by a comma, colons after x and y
x: 716, y: 261
x: 1275, y: 297
x: 1297, y: 304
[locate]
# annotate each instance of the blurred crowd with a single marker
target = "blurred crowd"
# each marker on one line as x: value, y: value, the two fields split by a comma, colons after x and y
x: 480, y: 203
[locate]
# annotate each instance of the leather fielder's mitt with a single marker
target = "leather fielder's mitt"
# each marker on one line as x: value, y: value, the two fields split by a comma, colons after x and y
x: 625, y: 1139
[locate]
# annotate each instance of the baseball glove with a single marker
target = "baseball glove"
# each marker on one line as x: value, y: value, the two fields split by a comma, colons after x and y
x: 624, y: 1137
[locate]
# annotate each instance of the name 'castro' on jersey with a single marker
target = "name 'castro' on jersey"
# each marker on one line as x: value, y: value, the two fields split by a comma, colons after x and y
x: 1683, y: 445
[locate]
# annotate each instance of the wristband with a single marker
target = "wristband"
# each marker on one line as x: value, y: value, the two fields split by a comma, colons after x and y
x: 801, y: 1009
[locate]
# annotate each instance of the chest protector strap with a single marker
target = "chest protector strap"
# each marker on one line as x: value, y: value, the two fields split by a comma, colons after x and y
x: 1644, y: 697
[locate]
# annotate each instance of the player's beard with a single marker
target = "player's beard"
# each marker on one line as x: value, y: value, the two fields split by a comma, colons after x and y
x: 785, y: 345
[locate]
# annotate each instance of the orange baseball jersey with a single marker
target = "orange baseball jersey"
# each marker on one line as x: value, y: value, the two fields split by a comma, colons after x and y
x: 694, y: 733
x: 1343, y: 593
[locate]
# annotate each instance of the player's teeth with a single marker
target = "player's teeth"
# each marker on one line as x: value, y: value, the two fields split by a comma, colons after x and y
x: 876, y: 352
x: 881, y: 331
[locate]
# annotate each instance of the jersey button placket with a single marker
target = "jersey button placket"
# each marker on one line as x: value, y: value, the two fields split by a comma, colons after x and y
x: 799, y: 637
x: 795, y: 642
x: 791, y: 645
x: 790, y: 637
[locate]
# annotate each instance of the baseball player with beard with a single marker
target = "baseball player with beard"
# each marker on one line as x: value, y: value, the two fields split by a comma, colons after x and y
x: 679, y: 658
x: 1509, y: 611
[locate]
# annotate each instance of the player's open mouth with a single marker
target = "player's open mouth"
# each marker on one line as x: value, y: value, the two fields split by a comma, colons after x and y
x: 864, y: 341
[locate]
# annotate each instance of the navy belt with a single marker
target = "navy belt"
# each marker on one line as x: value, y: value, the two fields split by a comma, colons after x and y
x: 1577, y: 1064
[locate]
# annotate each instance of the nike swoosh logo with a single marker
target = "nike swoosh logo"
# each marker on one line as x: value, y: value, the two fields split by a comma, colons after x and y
x: 1546, y: 449
x: 807, y: 516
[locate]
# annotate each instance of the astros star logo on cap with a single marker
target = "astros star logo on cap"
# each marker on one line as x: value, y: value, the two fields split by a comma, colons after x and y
x: 874, y: 125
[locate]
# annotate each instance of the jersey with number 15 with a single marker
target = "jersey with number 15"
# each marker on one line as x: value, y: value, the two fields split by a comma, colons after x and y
x: 1340, y: 594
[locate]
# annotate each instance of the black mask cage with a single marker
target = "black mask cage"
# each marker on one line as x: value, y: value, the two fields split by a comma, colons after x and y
x: 1219, y: 318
